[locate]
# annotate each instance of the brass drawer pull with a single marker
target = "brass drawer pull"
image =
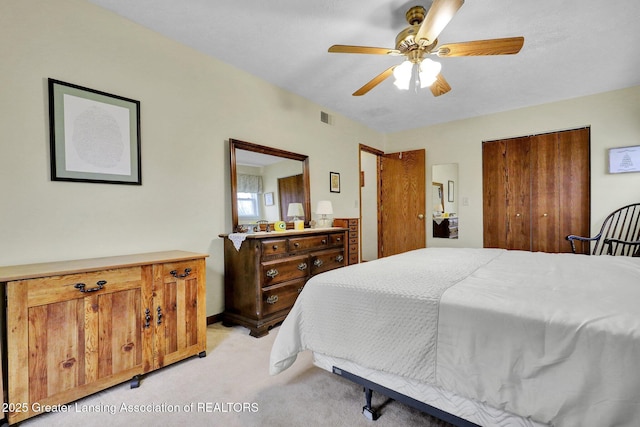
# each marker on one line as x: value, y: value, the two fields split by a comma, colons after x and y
x: 302, y: 266
x: 318, y: 262
x: 339, y: 258
x: 272, y: 299
x: 272, y: 273
x: 175, y: 274
x: 274, y: 247
x: 81, y: 286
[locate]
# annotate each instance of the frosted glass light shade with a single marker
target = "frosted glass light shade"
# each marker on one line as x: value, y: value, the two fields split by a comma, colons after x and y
x: 324, y: 208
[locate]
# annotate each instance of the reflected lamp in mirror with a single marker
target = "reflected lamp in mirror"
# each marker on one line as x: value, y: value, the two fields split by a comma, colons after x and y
x: 324, y: 208
x: 295, y: 211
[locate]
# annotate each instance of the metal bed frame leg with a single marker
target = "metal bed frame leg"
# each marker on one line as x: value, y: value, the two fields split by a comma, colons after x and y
x: 367, y: 410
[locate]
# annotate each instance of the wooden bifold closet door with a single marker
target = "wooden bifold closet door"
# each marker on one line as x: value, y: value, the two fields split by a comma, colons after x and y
x: 536, y: 191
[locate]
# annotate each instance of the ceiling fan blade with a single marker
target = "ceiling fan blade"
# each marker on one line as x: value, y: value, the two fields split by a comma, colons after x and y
x: 438, y: 16
x: 506, y: 46
x: 440, y: 86
x: 374, y: 81
x: 341, y: 48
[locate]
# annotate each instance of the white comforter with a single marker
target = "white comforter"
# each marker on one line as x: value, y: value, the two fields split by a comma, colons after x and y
x: 554, y: 337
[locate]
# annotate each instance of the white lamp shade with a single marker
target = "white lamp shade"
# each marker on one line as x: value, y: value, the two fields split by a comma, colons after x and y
x: 324, y: 208
x: 429, y: 70
x: 295, y: 210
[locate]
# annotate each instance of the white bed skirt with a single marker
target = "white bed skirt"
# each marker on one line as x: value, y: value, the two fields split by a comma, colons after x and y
x: 475, y: 412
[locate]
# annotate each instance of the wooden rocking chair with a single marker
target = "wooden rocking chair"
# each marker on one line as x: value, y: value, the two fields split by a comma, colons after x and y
x: 619, y: 234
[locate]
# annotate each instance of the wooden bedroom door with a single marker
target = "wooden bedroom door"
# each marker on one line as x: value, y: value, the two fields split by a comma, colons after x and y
x: 402, y: 202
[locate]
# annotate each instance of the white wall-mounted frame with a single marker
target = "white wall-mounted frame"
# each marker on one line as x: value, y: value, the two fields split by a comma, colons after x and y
x: 624, y: 159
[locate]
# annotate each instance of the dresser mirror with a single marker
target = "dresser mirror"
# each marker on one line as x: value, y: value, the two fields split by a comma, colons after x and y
x: 445, y: 200
x: 265, y: 181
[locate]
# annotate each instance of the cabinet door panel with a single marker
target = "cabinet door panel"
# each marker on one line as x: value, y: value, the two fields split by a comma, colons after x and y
x: 179, y: 298
x: 55, y: 349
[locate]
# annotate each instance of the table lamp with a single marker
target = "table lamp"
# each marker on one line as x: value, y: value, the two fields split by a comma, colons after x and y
x: 324, y: 209
x: 295, y: 210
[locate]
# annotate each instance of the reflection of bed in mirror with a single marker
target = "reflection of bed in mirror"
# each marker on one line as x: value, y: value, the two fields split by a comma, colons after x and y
x: 265, y: 181
x: 487, y: 337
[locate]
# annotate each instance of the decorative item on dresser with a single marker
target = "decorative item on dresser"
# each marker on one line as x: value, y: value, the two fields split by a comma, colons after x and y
x: 264, y: 272
x: 73, y: 328
x: 353, y: 247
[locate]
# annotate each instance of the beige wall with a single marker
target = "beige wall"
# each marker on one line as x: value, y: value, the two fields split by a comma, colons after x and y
x: 191, y: 105
x: 614, y: 118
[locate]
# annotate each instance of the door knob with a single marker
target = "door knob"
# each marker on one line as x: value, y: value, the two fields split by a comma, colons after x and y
x: 420, y: 216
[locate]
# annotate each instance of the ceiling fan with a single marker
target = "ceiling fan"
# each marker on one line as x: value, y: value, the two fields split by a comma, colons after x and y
x: 421, y: 38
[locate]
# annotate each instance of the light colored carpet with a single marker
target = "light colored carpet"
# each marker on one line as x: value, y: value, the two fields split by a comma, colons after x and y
x: 232, y: 387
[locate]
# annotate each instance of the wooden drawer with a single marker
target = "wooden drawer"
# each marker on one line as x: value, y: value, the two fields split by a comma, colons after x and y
x: 327, y: 260
x: 336, y: 239
x: 273, y: 247
x: 310, y: 242
x: 52, y: 289
x: 281, y: 297
x: 353, y: 258
x: 279, y: 271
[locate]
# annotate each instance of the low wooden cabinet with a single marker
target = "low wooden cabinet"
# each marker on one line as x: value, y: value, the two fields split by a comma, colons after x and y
x: 77, y: 327
x: 353, y: 236
x: 263, y: 277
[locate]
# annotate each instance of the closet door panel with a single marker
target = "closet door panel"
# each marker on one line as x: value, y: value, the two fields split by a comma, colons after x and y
x: 518, y: 194
x: 494, y: 184
x: 574, y: 178
x: 545, y: 193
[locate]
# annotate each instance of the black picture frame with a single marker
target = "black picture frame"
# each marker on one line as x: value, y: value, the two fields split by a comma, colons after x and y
x: 334, y: 182
x: 94, y: 135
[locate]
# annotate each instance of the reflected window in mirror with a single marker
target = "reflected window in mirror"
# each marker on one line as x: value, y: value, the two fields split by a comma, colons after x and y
x: 445, y: 201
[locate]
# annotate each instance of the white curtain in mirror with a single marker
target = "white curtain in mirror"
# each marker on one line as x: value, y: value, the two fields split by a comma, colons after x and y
x: 249, y: 183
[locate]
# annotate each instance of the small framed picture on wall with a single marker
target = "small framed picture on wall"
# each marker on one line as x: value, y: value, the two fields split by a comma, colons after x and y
x: 334, y: 182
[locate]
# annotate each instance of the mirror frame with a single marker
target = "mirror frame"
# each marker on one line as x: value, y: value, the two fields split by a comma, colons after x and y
x: 235, y: 144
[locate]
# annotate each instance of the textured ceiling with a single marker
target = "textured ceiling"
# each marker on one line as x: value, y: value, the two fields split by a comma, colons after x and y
x: 572, y: 48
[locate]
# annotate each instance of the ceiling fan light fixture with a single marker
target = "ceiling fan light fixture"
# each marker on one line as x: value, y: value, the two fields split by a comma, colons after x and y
x: 429, y: 71
x: 402, y: 74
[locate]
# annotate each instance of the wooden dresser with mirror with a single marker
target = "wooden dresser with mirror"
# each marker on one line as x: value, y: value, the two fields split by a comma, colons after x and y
x: 265, y: 270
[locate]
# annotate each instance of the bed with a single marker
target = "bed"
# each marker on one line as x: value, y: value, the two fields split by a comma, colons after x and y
x: 489, y: 336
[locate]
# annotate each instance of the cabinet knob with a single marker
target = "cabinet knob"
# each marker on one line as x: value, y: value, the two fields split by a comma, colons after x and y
x: 296, y: 244
x: 339, y: 258
x: 272, y: 299
x: 318, y: 262
x: 324, y: 241
x: 517, y: 214
x: 545, y: 215
x: 274, y: 247
x: 302, y: 266
x: 420, y: 216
